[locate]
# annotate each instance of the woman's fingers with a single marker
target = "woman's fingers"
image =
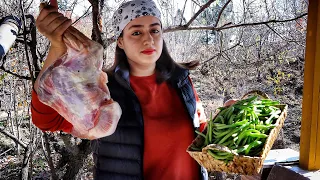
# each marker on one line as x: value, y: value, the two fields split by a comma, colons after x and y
x: 84, y: 39
x: 230, y: 102
x: 54, y: 3
x: 71, y: 40
x: 51, y: 17
x: 46, y: 24
x: 58, y: 26
x: 53, y: 25
x: 45, y: 11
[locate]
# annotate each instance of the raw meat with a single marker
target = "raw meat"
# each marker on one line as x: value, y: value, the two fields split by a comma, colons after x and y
x: 76, y: 87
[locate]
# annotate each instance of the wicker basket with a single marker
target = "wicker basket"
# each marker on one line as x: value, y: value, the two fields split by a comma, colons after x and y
x: 240, y: 164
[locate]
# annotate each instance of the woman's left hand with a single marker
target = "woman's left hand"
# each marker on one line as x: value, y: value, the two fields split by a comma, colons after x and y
x: 230, y: 102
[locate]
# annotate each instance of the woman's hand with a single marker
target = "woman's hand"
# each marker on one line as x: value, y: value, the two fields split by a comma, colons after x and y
x: 53, y: 24
x: 230, y: 102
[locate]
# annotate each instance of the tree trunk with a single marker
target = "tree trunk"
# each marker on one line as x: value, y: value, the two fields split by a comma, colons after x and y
x: 76, y: 161
x: 25, y: 163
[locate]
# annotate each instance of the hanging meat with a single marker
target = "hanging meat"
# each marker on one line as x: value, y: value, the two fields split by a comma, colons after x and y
x: 76, y: 87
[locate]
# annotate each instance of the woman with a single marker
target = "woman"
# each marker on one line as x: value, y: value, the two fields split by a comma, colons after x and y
x: 160, y: 108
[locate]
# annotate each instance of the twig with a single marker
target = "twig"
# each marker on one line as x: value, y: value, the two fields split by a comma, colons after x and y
x: 33, y: 47
x: 196, y: 3
x: 48, y: 157
x: 83, y: 15
x: 285, y: 39
x: 15, y: 139
x: 14, y: 74
x: 202, y: 8
x: 6, y: 151
x: 184, y: 8
x: 25, y: 44
x: 219, y: 54
x: 220, y: 13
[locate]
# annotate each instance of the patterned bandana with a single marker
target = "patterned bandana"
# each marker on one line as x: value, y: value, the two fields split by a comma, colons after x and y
x: 131, y: 10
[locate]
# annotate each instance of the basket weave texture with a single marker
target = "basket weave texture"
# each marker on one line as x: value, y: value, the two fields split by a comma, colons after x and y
x: 240, y: 164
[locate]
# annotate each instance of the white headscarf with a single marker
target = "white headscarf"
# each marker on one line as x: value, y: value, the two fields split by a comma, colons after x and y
x: 131, y: 10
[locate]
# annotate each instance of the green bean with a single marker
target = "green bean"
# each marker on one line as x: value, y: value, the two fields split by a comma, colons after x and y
x: 243, y: 126
x: 220, y: 134
x: 232, y: 132
x: 251, y: 145
x: 210, y: 129
x: 242, y: 135
x: 228, y: 143
x: 195, y: 148
x: 224, y: 126
x: 222, y: 153
x: 273, y: 115
x: 200, y: 133
x: 244, y: 141
x: 219, y: 118
x: 262, y: 127
x: 221, y: 113
x: 231, y: 119
x: 220, y: 157
x: 228, y: 116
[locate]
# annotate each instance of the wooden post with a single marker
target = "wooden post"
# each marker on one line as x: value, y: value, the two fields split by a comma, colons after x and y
x: 310, y: 125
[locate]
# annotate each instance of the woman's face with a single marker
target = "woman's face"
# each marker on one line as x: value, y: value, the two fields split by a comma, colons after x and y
x: 142, y: 41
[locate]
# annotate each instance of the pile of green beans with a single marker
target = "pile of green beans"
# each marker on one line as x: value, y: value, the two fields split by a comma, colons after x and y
x: 242, y: 127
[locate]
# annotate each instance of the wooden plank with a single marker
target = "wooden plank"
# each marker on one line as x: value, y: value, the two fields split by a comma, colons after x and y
x: 317, y: 89
x: 310, y: 125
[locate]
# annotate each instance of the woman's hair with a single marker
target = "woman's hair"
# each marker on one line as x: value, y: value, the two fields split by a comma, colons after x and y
x: 165, y: 65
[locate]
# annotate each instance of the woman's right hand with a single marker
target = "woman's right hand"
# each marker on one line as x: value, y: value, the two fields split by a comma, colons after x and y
x: 53, y: 24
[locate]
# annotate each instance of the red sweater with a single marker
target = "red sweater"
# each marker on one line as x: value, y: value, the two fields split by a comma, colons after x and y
x: 167, y: 129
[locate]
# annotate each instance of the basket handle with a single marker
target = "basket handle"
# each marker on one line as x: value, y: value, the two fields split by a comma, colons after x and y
x: 257, y: 92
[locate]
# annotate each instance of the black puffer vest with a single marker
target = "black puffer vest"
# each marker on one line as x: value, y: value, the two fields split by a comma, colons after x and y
x: 120, y: 156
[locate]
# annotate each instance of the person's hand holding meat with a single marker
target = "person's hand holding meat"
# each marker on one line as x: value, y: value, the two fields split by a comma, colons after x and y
x: 53, y: 24
x: 72, y: 81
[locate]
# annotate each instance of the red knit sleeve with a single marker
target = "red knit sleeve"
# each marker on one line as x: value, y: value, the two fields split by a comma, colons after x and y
x: 46, y: 118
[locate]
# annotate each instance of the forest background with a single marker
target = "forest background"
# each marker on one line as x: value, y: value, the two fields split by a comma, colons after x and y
x: 242, y: 45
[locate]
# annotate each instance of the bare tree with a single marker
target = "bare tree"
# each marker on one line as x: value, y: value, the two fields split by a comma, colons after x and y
x: 241, y: 44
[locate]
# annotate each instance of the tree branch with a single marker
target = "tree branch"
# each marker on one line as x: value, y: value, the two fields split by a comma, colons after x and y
x: 179, y: 28
x: 83, y: 15
x: 33, y: 46
x: 46, y: 145
x: 265, y: 22
x: 111, y: 40
x: 96, y: 21
x: 220, y: 53
x: 202, y: 8
x: 184, y: 8
x: 25, y: 43
x: 195, y: 2
x: 220, y: 13
x: 285, y: 39
x: 15, y: 139
x: 14, y: 74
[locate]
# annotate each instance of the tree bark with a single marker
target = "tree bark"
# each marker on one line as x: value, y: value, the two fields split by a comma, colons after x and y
x: 76, y: 161
x: 97, y: 6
